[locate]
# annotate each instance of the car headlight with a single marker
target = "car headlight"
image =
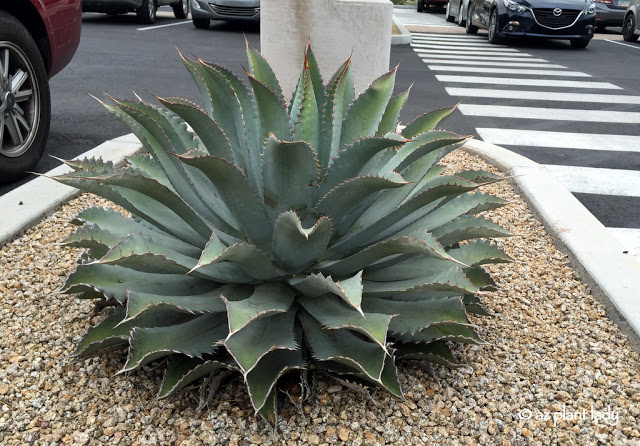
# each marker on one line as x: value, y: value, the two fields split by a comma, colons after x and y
x: 591, y: 9
x: 195, y: 4
x: 513, y: 6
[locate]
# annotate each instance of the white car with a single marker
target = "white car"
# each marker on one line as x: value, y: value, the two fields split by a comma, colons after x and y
x: 630, y: 26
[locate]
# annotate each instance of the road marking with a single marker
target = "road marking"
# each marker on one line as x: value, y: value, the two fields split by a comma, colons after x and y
x: 594, y: 180
x: 417, y: 42
x: 444, y: 39
x: 451, y: 36
x: 500, y: 58
x: 629, y: 238
x: 625, y: 44
x: 500, y: 63
x: 465, y: 46
x: 507, y: 71
x: 164, y: 26
x: 543, y: 95
x: 472, y: 53
x: 564, y: 140
x: 519, y: 81
x: 554, y: 114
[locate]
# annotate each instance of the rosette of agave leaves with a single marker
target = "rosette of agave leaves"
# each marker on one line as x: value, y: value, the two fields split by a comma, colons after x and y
x: 281, y: 239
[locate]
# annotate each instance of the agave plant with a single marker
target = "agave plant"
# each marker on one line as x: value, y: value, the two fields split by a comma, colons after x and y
x: 280, y: 240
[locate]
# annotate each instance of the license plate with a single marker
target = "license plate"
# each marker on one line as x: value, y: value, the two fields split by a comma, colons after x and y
x: 623, y: 3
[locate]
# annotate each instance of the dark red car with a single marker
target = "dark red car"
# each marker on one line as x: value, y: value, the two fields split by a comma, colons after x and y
x: 38, y: 38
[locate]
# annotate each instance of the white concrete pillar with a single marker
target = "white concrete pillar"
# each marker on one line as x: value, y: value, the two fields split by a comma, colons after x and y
x: 336, y: 28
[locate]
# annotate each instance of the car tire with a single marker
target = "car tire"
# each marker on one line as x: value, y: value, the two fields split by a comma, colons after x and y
x: 461, y: 20
x: 420, y: 5
x: 469, y: 27
x: 201, y: 23
x: 147, y: 12
x: 579, y: 43
x: 447, y: 14
x: 181, y: 9
x: 21, y: 145
x: 628, y: 27
x: 494, y: 37
x: 601, y: 28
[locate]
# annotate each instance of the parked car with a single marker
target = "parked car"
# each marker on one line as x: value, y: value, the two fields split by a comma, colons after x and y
x: 424, y: 4
x: 457, y: 11
x: 146, y: 10
x: 38, y: 38
x: 573, y: 20
x: 203, y: 11
x: 610, y: 13
x: 631, y: 27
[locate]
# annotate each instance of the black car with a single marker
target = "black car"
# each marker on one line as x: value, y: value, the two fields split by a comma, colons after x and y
x: 574, y: 20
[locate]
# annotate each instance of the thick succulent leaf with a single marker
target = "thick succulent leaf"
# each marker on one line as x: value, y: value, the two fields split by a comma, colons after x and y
x: 340, y: 93
x: 269, y: 410
x: 411, y: 317
x: 479, y: 176
x: 474, y: 305
x: 420, y: 268
x: 113, y: 281
x: 261, y: 336
x: 149, y: 167
x: 333, y: 314
x: 305, y: 116
x: 271, y: 111
x: 480, y: 278
x: 316, y: 78
x: 343, y: 346
x: 213, y: 138
x: 479, y: 252
x: 112, y: 332
x: 449, y: 331
x: 427, y: 122
x: 183, y: 370
x: 262, y: 71
x: 425, y: 245
x: 245, y: 256
x: 94, y: 165
x: 436, y: 352
x: 350, y: 161
x: 468, y: 227
x: 266, y: 300
x: 121, y: 226
x: 238, y: 195
x: 296, y: 248
x: 290, y: 171
x: 262, y: 379
x: 91, y: 236
x: 423, y: 145
x: 316, y: 285
x: 439, y: 279
x: 139, y: 303
x: 391, y: 117
x: 365, y: 113
x: 193, y: 338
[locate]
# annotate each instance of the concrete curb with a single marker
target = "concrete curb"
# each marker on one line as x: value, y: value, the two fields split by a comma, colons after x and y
x: 402, y: 39
x: 614, y: 277
x: 30, y: 203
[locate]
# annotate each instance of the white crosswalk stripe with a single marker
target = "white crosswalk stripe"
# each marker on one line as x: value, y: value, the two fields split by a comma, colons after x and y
x: 539, y: 93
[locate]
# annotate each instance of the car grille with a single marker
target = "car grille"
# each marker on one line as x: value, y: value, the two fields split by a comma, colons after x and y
x: 235, y: 11
x: 545, y: 17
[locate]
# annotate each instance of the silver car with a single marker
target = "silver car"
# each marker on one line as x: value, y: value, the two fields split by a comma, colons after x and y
x: 630, y: 27
x: 610, y: 13
x: 203, y: 11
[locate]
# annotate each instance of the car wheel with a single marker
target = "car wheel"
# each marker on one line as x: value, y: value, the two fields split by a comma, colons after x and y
x: 579, y: 43
x: 201, y: 23
x: 628, y: 27
x: 460, y: 17
x: 471, y: 29
x: 181, y: 9
x: 600, y: 28
x: 147, y: 12
x: 420, y: 5
x: 494, y: 37
x: 25, y: 102
x: 447, y: 13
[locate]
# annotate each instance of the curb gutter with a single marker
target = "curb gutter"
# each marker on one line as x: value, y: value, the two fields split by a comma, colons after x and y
x: 614, y: 277
x: 30, y: 203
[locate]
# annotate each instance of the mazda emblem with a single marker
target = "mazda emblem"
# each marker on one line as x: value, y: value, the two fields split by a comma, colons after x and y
x: 557, y: 12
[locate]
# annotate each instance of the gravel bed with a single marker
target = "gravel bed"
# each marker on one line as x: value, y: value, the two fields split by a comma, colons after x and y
x: 551, y: 348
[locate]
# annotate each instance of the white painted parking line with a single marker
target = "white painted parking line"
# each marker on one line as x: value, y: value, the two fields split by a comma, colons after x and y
x: 499, y: 63
x: 508, y: 71
x: 472, y: 45
x: 444, y: 39
x: 164, y: 26
x: 629, y: 238
x: 625, y: 44
x: 554, y: 114
x: 450, y: 36
x: 563, y: 140
x: 525, y: 82
x: 427, y: 25
x: 593, y: 180
x: 472, y: 52
x: 499, y: 58
x: 543, y: 95
x: 456, y: 42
